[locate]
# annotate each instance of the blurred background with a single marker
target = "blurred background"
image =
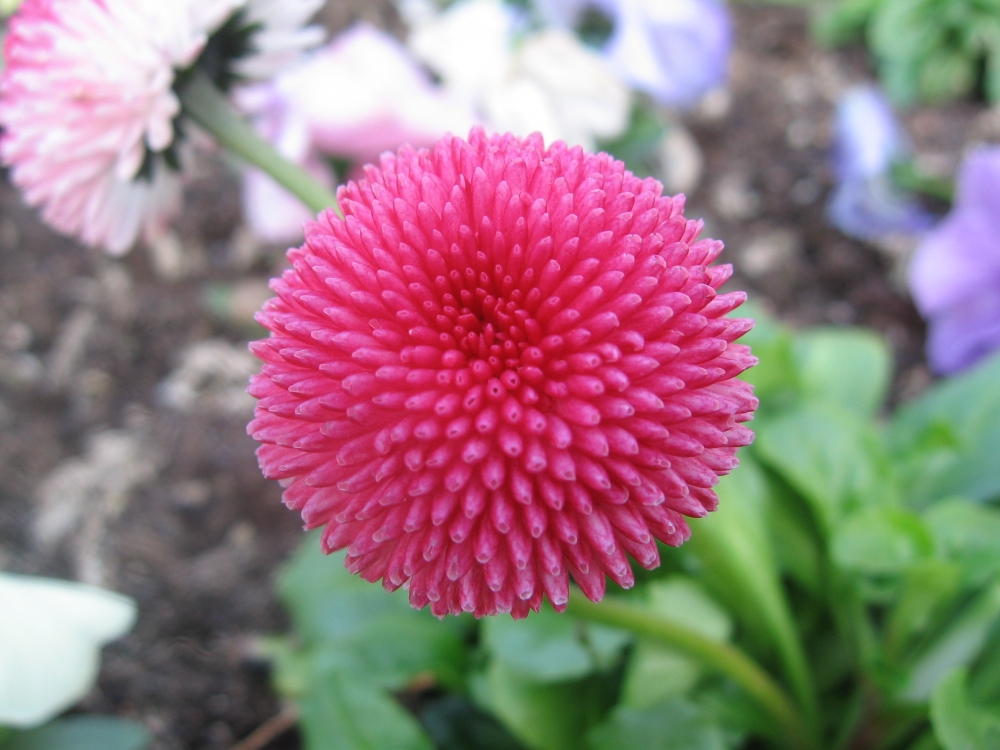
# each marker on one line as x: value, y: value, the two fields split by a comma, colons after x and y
x: 124, y: 461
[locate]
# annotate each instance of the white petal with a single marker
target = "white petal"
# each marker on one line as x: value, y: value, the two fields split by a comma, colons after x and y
x: 51, y: 633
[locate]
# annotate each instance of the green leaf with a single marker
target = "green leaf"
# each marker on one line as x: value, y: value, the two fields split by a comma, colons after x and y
x: 833, y: 458
x: 848, y: 368
x: 734, y: 561
x: 798, y: 547
x: 947, y: 439
x: 958, y: 723
x: 845, y: 21
x: 968, y: 534
x: 51, y: 633
x: 83, y: 733
x: 673, y: 725
x: 929, y: 589
x: 656, y: 673
x: 362, y: 628
x: 343, y: 711
x: 775, y: 377
x: 959, y: 644
x: 984, y: 675
x: 548, y: 647
x: 544, y: 715
x: 992, y: 83
x: 881, y: 541
x: 455, y: 723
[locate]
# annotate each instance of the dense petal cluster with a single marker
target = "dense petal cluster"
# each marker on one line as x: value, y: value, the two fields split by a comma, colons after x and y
x: 507, y: 365
x: 88, y: 105
x: 955, y: 276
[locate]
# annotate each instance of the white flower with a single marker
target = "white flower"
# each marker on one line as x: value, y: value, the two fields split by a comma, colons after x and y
x: 549, y: 83
x: 51, y: 633
x: 282, y: 35
x: 558, y: 87
x: 469, y: 46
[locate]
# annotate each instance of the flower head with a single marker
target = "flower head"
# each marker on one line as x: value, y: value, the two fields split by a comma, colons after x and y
x: 955, y: 275
x: 507, y: 365
x: 88, y: 105
x: 866, y: 204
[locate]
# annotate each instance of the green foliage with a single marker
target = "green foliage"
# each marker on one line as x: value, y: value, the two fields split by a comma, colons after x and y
x: 673, y: 725
x: 927, y: 50
x: 946, y: 440
x: 855, y: 557
x: 959, y: 724
x: 81, y: 733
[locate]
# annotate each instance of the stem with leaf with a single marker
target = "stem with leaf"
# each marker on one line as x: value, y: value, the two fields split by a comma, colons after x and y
x: 720, y: 657
x: 207, y: 106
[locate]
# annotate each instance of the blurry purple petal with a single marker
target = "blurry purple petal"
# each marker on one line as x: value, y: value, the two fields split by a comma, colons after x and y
x: 866, y: 204
x: 955, y: 275
x: 868, y: 209
x: 966, y: 333
x: 674, y: 50
x: 867, y: 136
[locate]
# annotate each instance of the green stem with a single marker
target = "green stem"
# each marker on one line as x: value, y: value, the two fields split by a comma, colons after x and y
x: 208, y: 107
x: 716, y: 655
x: 906, y: 175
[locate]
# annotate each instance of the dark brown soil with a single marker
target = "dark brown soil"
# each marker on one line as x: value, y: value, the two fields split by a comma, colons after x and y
x: 168, y: 504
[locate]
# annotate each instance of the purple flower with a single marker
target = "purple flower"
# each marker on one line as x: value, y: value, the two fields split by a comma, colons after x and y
x: 674, y: 50
x: 866, y: 204
x: 955, y: 275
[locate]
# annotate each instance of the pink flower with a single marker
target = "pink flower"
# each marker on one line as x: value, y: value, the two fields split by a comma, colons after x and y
x: 88, y: 102
x: 383, y: 100
x: 507, y: 365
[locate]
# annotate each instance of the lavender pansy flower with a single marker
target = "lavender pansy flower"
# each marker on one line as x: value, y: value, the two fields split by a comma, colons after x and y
x: 866, y: 204
x: 955, y: 275
x: 674, y: 50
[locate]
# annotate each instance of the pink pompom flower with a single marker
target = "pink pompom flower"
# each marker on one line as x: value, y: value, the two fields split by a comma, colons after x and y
x: 506, y: 366
x: 88, y: 101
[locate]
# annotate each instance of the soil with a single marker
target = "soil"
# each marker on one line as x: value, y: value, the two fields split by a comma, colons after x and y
x: 123, y: 454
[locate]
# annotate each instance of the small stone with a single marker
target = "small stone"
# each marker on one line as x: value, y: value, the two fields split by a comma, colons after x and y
x: 715, y: 105
x: 733, y: 199
x: 16, y: 337
x: 681, y: 159
x: 800, y: 133
x: 805, y: 191
x: 191, y: 494
x: 769, y: 252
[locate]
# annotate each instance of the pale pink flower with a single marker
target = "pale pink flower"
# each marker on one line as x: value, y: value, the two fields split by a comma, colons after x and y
x: 383, y: 100
x: 88, y: 105
x: 508, y: 365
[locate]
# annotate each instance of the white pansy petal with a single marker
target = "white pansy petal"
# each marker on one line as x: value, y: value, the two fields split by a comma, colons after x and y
x: 468, y: 46
x: 51, y: 633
